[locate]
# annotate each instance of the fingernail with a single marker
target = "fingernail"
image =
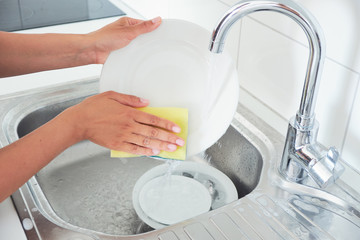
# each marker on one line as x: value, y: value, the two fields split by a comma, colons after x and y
x: 143, y: 100
x: 180, y: 142
x: 172, y: 147
x: 156, y: 151
x: 156, y: 20
x: 176, y: 129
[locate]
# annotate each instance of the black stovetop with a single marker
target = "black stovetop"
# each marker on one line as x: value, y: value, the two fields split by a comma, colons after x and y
x: 25, y: 14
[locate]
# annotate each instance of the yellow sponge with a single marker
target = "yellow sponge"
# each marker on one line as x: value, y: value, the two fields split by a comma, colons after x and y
x: 176, y: 115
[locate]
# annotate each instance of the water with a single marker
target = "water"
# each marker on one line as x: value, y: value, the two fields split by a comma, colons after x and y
x: 218, y: 70
x: 95, y: 193
x: 172, y: 166
x: 205, y: 157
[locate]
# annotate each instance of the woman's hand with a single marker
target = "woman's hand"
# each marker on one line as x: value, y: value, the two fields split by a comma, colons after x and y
x: 111, y: 120
x: 28, y: 53
x: 119, y: 34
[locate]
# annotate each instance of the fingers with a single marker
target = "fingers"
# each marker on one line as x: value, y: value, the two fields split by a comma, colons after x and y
x: 147, y: 140
x: 152, y: 143
x: 155, y: 137
x: 132, y: 21
x: 128, y: 100
x: 156, y: 21
x: 141, y: 117
x: 147, y: 26
x: 138, y: 150
x: 149, y: 119
x: 149, y: 133
x: 145, y: 145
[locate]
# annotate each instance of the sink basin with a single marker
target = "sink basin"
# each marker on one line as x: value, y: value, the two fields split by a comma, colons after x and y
x: 83, y: 188
x: 85, y: 194
x: 88, y: 189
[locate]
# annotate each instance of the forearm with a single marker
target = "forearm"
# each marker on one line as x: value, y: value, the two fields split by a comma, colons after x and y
x: 28, y: 53
x: 24, y: 158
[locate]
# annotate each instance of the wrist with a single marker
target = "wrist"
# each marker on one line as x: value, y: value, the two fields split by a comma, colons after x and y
x: 97, y: 51
x: 87, y: 53
x: 72, y: 124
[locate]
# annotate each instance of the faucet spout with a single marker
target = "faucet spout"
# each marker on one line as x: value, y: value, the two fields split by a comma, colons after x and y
x: 301, y: 148
x: 314, y: 34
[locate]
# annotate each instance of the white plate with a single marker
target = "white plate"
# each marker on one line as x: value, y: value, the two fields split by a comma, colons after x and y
x: 172, y: 67
x: 202, y: 173
x: 172, y: 199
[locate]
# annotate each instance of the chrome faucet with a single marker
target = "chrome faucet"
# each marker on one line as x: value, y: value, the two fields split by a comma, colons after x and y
x: 302, y: 156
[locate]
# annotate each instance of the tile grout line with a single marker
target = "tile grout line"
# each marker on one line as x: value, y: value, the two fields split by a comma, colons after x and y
x: 226, y: 4
x: 302, y: 44
x: 265, y: 105
x: 351, y: 114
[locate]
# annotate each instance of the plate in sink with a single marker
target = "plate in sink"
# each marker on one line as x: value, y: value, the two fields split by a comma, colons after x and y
x: 172, y: 67
x: 212, y: 182
x: 172, y: 199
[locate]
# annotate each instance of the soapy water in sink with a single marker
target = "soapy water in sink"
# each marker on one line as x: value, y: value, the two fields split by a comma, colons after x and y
x: 96, y: 193
x: 88, y: 189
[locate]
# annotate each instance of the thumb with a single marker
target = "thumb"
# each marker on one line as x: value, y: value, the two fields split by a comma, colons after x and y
x: 147, y: 26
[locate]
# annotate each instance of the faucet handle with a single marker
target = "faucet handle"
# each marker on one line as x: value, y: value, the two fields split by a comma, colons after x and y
x: 327, y: 169
x: 331, y: 157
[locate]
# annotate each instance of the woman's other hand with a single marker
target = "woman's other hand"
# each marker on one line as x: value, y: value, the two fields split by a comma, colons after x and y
x: 119, y: 34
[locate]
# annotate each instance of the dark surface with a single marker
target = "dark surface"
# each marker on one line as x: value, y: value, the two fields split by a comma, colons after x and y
x: 24, y: 14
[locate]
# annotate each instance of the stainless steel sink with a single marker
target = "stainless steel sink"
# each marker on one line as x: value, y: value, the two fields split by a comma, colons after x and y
x: 87, y: 188
x: 85, y: 194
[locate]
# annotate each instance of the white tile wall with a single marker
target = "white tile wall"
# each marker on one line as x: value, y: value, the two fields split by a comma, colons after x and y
x: 339, y: 20
x: 272, y: 61
x: 351, y: 150
x: 272, y: 67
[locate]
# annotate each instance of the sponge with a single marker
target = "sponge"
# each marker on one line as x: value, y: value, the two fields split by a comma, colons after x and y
x: 176, y: 115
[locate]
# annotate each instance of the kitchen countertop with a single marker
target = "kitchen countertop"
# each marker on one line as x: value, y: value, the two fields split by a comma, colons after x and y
x: 10, y: 226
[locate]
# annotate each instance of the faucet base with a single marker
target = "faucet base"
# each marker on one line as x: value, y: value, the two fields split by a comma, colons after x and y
x: 303, y: 156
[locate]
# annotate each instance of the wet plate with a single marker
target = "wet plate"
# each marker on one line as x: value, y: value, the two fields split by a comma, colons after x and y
x: 172, y: 67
